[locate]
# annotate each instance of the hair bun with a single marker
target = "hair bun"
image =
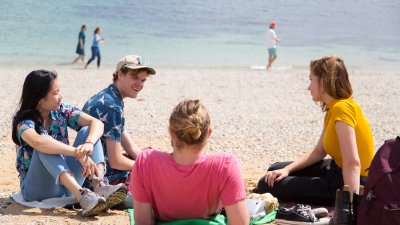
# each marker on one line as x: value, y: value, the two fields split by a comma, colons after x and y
x: 195, y: 131
x: 190, y: 121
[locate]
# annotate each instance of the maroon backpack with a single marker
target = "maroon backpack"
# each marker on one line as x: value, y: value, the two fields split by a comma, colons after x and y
x: 380, y: 202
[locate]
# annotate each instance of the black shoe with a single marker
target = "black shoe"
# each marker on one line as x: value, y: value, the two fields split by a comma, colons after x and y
x: 342, y: 215
x: 299, y: 214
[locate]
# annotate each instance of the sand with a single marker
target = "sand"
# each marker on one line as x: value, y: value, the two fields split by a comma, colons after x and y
x: 259, y: 116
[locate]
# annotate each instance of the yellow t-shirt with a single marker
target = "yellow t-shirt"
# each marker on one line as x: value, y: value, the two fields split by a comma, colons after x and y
x: 348, y: 111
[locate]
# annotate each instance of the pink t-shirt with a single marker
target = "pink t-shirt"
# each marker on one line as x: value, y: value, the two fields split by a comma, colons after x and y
x: 199, y: 190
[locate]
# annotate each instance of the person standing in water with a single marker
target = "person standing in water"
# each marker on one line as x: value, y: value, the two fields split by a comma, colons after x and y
x: 271, y: 40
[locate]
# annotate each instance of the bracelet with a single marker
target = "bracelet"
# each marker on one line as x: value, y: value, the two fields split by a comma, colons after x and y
x: 88, y: 142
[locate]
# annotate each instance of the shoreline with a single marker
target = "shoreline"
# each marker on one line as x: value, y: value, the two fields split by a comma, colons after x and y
x: 278, y: 66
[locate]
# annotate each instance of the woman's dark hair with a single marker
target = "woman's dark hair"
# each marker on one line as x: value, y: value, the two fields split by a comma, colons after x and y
x: 36, y: 86
x: 97, y: 30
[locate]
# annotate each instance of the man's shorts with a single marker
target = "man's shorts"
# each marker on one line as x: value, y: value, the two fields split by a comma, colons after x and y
x: 272, y: 51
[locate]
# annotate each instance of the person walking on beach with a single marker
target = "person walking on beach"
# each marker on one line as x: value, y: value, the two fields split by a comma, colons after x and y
x: 271, y: 40
x: 108, y: 106
x: 202, y: 183
x: 80, y: 48
x: 97, y: 39
x: 346, y: 137
x: 48, y: 166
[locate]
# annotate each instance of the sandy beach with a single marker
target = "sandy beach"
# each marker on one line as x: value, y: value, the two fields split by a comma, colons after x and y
x: 261, y: 117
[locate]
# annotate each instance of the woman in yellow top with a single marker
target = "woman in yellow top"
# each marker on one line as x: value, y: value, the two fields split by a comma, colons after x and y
x: 346, y: 138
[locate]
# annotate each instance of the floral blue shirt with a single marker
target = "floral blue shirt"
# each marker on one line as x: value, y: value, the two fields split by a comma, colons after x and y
x: 108, y: 107
x: 65, y: 116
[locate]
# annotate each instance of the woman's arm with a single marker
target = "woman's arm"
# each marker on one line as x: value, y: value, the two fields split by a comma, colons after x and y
x: 144, y: 214
x: 350, y: 158
x: 99, y: 39
x: 96, y: 128
x: 46, y: 144
x: 237, y: 214
x: 81, y: 43
x: 311, y: 157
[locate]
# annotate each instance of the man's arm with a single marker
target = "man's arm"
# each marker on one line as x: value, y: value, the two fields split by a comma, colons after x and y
x: 129, y: 146
x: 115, y: 157
x: 276, y: 38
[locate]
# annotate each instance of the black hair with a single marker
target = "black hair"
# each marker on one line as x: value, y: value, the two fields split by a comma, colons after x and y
x: 36, y: 86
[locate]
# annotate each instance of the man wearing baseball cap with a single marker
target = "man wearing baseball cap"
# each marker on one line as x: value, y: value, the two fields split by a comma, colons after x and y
x: 271, y: 40
x: 108, y: 106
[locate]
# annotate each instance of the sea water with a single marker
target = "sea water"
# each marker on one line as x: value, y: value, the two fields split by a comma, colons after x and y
x: 204, y: 33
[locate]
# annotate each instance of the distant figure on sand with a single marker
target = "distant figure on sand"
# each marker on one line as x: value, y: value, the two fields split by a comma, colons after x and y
x: 187, y: 183
x: 97, y: 39
x: 271, y: 40
x: 48, y: 166
x: 346, y: 137
x: 80, y: 48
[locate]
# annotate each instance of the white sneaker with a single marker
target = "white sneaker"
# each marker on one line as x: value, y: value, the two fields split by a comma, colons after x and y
x: 91, y: 203
x: 114, y: 194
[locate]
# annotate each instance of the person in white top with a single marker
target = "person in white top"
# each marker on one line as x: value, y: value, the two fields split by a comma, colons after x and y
x: 271, y: 40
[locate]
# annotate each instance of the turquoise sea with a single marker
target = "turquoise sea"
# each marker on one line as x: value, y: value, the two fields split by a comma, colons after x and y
x: 217, y: 33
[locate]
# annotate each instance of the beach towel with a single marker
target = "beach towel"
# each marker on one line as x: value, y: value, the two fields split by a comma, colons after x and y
x: 218, y: 219
x: 45, y: 204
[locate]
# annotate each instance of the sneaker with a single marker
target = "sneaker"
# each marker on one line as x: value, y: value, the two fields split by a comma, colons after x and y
x: 299, y: 214
x: 126, y: 204
x: 114, y: 194
x: 91, y: 203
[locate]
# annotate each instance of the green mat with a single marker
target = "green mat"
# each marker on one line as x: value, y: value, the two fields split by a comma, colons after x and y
x: 216, y: 220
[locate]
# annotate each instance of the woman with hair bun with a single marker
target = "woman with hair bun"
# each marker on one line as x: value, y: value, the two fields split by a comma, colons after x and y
x: 187, y: 183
